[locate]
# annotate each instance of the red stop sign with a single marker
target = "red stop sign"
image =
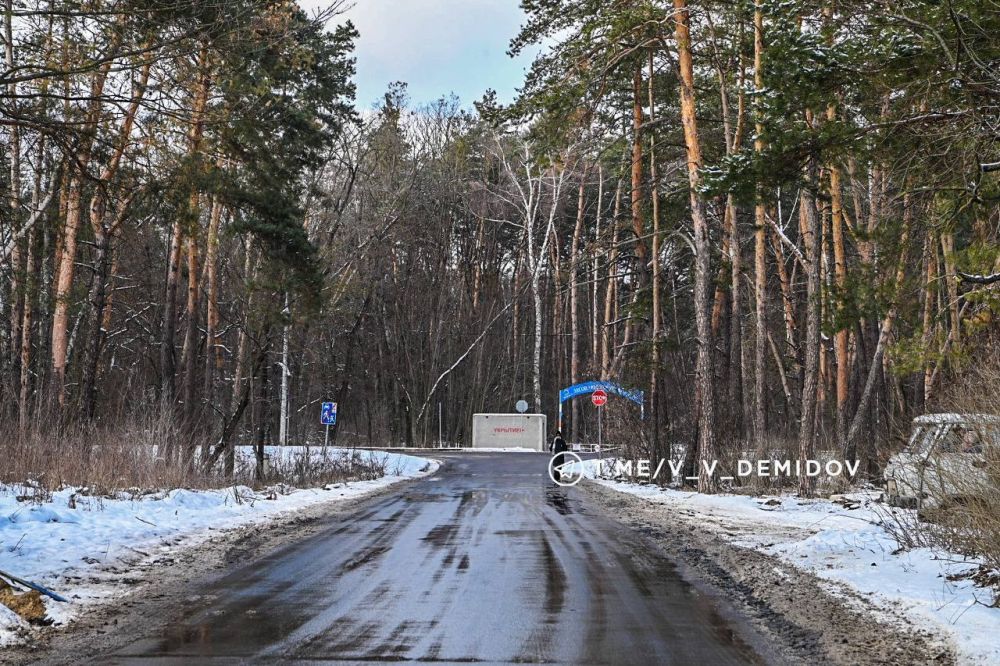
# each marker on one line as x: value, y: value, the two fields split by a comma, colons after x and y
x: 599, y: 397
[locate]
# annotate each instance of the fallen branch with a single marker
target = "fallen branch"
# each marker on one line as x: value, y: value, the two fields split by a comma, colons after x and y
x: 33, y: 586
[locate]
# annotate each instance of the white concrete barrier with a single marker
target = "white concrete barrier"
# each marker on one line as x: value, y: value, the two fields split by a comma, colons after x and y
x: 506, y: 431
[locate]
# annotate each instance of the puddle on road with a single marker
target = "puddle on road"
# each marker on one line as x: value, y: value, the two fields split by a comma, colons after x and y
x: 245, y: 627
x: 556, y: 498
x: 442, y: 536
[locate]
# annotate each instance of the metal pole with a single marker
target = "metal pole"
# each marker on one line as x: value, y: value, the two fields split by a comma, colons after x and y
x: 326, y: 438
x: 600, y: 453
x: 440, y: 441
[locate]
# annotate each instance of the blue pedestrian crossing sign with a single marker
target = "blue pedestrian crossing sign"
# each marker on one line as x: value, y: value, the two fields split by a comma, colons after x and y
x: 328, y: 415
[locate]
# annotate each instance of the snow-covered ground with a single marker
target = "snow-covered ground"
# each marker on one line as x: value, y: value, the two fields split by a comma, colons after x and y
x: 55, y: 542
x: 844, y: 544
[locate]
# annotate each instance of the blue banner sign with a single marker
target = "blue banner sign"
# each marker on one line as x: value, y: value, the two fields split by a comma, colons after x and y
x: 586, y: 388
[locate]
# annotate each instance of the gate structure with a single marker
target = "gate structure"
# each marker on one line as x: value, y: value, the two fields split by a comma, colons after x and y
x: 586, y: 388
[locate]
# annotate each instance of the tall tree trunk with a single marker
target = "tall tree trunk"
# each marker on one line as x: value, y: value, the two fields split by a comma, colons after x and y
x: 840, y: 278
x: 515, y: 315
x: 168, y: 333
x: 191, y: 331
x: 557, y: 174
x: 760, y: 247
x: 285, y: 373
x: 477, y: 279
x: 349, y: 349
x: 66, y: 263
x: 536, y: 351
x: 213, y: 351
x: 243, y: 341
x: 31, y: 291
x: 64, y: 282
x: 885, y: 331
x: 719, y: 298
x: 98, y: 291
x: 609, y: 291
x: 169, y: 330
x: 574, y: 308
x: 596, y: 323
x: 807, y: 426
x: 840, y: 343
x: 262, y: 404
x: 731, y: 244
x: 929, y: 326
x: 654, y: 193
x: 105, y: 233
x: 14, y: 156
x: 638, y: 224
x: 703, y: 275
x: 24, y: 393
x: 735, y: 396
x: 948, y: 253
x: 105, y: 228
x: 557, y: 354
x: 788, y: 304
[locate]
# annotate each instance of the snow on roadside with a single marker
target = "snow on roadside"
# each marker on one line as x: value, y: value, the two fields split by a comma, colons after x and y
x: 57, y: 546
x: 847, y: 546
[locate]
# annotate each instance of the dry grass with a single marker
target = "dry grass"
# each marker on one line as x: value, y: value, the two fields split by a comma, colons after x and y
x: 102, y: 458
x: 963, y: 515
x: 141, y: 455
x: 969, y: 522
x: 962, y: 508
x: 319, y: 467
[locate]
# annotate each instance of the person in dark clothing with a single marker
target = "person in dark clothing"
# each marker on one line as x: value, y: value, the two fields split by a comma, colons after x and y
x: 558, y: 448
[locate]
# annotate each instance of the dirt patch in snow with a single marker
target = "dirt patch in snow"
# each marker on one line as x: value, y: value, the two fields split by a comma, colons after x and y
x: 26, y: 604
x: 817, y: 621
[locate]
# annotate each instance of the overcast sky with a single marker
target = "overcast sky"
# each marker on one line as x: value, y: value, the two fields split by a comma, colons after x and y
x: 436, y: 46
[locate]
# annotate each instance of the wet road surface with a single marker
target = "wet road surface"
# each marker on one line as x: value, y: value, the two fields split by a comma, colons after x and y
x: 487, y: 561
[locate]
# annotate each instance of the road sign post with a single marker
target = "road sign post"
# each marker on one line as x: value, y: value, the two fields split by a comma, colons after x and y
x: 600, y: 454
x: 328, y: 417
x: 599, y: 397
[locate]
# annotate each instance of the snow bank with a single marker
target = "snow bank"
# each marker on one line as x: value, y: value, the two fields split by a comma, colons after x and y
x: 844, y: 544
x: 71, y: 536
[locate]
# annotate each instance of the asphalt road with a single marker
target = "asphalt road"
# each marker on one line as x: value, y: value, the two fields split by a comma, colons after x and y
x: 487, y: 561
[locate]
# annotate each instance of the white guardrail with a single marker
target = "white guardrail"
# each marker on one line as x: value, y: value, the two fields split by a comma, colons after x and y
x: 591, y: 447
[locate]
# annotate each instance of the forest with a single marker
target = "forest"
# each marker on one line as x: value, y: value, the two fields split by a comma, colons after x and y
x: 777, y: 218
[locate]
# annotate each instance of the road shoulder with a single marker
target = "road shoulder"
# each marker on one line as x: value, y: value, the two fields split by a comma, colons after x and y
x: 155, y: 591
x: 812, y: 620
